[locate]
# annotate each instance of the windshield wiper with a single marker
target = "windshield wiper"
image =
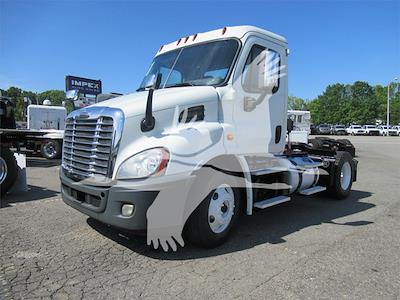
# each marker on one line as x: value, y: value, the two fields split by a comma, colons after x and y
x: 180, y: 84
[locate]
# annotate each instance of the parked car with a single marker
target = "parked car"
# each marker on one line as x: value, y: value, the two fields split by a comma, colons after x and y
x: 313, y: 129
x: 355, y: 130
x: 397, y: 128
x: 324, y: 129
x: 387, y: 130
x: 338, y: 130
x: 371, y: 130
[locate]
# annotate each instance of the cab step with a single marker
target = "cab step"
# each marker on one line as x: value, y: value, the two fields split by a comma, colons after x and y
x: 270, y: 202
x: 312, y: 190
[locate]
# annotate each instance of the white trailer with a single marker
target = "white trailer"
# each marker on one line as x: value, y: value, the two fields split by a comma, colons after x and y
x: 301, y: 125
x: 201, y: 140
x: 51, y: 121
x: 42, y: 117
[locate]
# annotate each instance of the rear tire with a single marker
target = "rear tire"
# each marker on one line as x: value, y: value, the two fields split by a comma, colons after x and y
x: 343, y: 176
x: 8, y: 170
x: 213, y: 220
x: 51, y: 149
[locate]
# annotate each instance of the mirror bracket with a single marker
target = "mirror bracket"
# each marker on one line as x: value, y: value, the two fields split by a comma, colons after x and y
x: 149, y: 121
x: 249, y: 104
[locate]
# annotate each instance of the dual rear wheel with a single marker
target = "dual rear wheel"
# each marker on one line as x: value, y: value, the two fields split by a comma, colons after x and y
x: 343, y: 176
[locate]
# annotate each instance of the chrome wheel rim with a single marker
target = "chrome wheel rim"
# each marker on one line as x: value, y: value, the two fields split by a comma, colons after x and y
x: 3, y: 170
x: 221, y: 208
x: 345, y: 176
x: 49, y: 149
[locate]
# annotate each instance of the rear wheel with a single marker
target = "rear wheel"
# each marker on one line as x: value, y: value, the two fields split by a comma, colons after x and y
x: 8, y: 170
x: 342, y: 176
x: 51, y: 149
x: 213, y: 220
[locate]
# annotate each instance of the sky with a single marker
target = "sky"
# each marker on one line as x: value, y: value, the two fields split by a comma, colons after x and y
x: 330, y: 41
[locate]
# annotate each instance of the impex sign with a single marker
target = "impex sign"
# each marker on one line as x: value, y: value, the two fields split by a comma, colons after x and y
x: 83, y: 85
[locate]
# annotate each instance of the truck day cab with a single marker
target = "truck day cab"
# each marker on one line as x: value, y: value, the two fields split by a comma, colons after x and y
x: 202, y: 139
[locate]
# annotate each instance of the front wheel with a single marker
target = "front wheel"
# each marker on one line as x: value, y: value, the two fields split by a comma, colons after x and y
x: 8, y: 170
x: 213, y: 220
x: 51, y: 149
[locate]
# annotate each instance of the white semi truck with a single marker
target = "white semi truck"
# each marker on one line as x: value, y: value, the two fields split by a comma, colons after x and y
x: 201, y: 140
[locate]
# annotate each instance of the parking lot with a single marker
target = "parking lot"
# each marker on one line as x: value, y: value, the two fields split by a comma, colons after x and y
x: 311, y: 247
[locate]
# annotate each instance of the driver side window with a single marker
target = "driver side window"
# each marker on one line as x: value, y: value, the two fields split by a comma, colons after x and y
x: 262, y: 70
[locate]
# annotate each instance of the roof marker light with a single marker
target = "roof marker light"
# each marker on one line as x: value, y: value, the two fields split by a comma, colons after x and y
x: 160, y: 48
x: 186, y: 39
x: 177, y: 43
x: 194, y: 37
x: 223, y: 30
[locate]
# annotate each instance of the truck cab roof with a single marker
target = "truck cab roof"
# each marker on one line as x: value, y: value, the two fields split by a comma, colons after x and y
x: 237, y: 32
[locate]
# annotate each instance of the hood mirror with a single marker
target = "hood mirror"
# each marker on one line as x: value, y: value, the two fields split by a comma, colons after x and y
x: 72, y: 95
x: 152, y: 81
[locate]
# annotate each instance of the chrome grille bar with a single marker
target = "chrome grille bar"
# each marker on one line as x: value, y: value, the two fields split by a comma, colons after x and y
x: 91, y: 139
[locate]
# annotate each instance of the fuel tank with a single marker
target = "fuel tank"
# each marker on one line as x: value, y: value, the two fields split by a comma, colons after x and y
x: 303, y: 172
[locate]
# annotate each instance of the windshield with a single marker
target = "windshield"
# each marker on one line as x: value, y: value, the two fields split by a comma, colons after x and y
x: 204, y: 64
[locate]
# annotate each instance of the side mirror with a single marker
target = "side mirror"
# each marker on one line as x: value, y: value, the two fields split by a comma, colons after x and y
x: 72, y: 95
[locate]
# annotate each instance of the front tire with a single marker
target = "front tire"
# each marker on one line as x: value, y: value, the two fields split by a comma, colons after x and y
x: 211, y: 223
x: 8, y: 170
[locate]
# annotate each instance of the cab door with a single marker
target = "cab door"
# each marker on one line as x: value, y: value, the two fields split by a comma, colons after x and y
x: 260, y: 106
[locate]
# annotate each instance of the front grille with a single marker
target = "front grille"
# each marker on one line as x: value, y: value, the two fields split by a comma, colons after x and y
x: 87, y: 147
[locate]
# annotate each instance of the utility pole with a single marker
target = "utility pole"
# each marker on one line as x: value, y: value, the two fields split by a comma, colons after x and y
x: 388, y: 107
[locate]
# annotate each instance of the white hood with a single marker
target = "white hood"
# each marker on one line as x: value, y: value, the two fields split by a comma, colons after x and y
x: 135, y: 104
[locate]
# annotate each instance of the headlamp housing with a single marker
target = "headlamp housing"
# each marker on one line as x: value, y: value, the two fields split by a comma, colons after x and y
x: 151, y: 162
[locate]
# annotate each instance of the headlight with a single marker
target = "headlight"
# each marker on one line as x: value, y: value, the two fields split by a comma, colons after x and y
x: 144, y: 164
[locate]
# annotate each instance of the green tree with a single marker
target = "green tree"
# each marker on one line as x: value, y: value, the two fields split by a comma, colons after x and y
x: 17, y: 95
x: 55, y: 96
x: 352, y: 103
x: 296, y: 103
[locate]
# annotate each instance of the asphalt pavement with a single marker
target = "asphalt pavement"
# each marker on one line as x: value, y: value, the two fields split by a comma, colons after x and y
x: 308, y: 248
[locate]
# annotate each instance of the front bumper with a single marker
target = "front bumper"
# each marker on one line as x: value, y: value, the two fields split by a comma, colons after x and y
x: 373, y: 132
x: 324, y: 132
x: 359, y: 132
x: 341, y: 132
x: 105, y: 203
